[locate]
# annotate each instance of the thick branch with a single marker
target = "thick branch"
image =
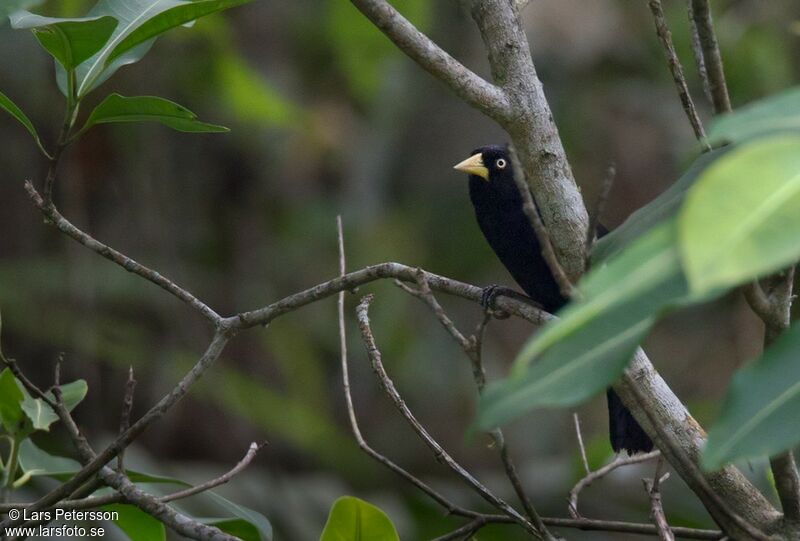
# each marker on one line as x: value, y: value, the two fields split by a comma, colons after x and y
x: 473, y: 89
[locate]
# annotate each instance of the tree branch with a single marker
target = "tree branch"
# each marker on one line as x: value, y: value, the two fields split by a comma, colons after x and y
x: 470, y: 87
x: 62, y: 224
x: 701, y: 15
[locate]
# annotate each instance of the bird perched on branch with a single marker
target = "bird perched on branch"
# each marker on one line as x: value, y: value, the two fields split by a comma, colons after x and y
x: 498, y: 208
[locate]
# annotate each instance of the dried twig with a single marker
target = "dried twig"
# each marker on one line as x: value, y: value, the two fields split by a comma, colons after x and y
x: 441, y: 455
x: 66, y: 227
x: 618, y: 462
x: 653, y: 488
x: 125, y: 415
x: 697, y: 53
x: 576, y: 420
x: 665, y: 37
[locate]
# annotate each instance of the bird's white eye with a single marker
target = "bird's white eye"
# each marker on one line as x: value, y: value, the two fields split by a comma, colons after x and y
x: 500, y: 163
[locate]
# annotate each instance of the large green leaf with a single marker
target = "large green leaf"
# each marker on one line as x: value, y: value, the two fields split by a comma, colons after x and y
x: 260, y: 530
x: 659, y: 209
x: 141, y: 21
x: 41, y: 414
x: 37, y: 462
x: 9, y: 106
x: 352, y: 519
x: 11, y: 413
x: 741, y: 219
x: 776, y: 113
x: 587, y: 347
x: 136, y: 524
x: 116, y: 108
x: 760, y: 413
x: 70, y: 41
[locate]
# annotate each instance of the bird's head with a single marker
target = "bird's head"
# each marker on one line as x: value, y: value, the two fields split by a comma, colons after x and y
x: 491, y: 173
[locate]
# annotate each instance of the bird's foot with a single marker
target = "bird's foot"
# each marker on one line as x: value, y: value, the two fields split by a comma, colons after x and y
x: 490, y: 294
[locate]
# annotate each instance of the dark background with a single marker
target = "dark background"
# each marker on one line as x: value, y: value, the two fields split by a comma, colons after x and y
x: 328, y: 119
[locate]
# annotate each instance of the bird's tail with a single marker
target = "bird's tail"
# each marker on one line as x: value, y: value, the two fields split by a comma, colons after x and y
x: 624, y: 430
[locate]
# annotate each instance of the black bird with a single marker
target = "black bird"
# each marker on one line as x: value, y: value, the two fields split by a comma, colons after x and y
x: 498, y: 208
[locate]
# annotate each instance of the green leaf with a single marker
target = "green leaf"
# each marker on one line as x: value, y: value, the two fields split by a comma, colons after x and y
x: 760, y: 413
x: 742, y: 218
x: 352, y: 519
x: 69, y: 41
x: 38, y: 462
x: 116, y: 108
x: 141, y: 21
x: 136, y: 524
x: 778, y: 113
x: 260, y: 528
x: 41, y: 414
x: 587, y: 347
x: 11, y: 413
x: 9, y: 106
x: 659, y: 209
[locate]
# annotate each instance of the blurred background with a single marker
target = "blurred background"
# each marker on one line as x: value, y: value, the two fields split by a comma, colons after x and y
x: 327, y: 118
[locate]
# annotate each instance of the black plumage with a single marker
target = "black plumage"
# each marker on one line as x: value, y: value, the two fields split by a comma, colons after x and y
x: 498, y: 209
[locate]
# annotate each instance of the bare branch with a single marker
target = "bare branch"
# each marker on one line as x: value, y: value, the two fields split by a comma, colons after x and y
x: 653, y: 488
x: 592, y: 476
x: 125, y: 416
x: 66, y: 227
x: 665, y: 37
x: 467, y: 85
x: 441, y: 455
x: 585, y: 461
x: 701, y: 16
x: 599, y: 208
x: 697, y: 53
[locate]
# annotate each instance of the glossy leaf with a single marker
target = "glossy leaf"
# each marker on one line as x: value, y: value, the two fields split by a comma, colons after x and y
x: 38, y: 462
x: 136, y: 524
x: 777, y: 113
x: 41, y: 414
x: 11, y: 413
x: 116, y: 108
x: 69, y: 41
x: 352, y: 519
x: 259, y: 522
x: 759, y: 416
x: 742, y: 218
x: 141, y: 21
x: 659, y: 209
x: 10, y: 107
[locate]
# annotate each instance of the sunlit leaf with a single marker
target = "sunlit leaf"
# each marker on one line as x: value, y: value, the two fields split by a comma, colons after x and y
x: 352, y: 519
x: 776, y: 113
x: 659, y: 209
x: 742, y: 217
x: 140, y: 22
x: 70, y: 41
x: 116, y: 108
x: 759, y: 416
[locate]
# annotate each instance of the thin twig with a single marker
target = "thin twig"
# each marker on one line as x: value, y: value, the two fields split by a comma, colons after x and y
x: 618, y: 462
x: 701, y: 15
x: 697, y: 53
x: 441, y: 455
x: 599, y: 208
x: 542, y: 235
x: 472, y: 348
x: 125, y: 415
x: 66, y: 227
x: 665, y: 37
x: 578, y: 434
x: 653, y: 488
